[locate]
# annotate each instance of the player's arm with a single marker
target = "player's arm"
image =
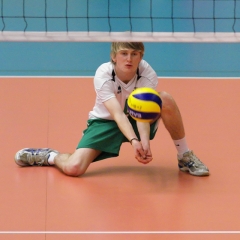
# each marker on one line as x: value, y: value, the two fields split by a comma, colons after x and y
x: 144, y: 132
x: 124, y: 125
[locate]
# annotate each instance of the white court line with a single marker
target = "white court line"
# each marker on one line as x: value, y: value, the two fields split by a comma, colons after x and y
x: 160, y: 77
x: 119, y: 232
x: 46, y: 76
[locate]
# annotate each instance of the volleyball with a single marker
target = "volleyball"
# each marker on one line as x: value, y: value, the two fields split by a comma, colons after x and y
x: 144, y: 104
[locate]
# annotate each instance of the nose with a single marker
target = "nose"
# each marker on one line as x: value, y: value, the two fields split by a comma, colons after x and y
x: 129, y: 57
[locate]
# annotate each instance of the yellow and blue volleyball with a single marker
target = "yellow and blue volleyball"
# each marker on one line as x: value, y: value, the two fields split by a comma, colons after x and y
x: 144, y: 104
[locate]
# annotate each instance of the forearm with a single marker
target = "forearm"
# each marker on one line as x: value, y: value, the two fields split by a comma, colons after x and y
x: 144, y: 131
x: 120, y: 118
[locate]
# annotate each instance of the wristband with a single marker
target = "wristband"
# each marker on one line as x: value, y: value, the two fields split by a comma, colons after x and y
x: 133, y: 139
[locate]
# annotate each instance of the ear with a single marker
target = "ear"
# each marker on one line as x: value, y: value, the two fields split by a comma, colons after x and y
x: 113, y: 58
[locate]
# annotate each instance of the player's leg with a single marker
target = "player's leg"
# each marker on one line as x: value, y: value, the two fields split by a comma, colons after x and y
x: 71, y: 164
x: 171, y: 117
x: 77, y: 163
x: 187, y: 160
x: 100, y: 134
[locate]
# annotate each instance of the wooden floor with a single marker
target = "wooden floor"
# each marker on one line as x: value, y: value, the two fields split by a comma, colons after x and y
x: 119, y: 198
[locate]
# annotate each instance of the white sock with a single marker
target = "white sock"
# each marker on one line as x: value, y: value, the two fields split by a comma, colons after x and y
x: 51, y: 157
x: 181, y: 146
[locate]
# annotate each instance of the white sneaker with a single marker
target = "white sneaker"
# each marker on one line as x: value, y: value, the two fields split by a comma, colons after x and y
x: 190, y: 163
x: 33, y: 156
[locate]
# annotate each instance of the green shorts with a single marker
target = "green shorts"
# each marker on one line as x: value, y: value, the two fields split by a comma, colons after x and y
x: 105, y: 136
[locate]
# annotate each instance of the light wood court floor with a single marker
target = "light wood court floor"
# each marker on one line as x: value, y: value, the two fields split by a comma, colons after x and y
x: 119, y: 198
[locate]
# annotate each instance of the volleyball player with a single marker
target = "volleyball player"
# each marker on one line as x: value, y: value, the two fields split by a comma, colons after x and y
x: 109, y: 125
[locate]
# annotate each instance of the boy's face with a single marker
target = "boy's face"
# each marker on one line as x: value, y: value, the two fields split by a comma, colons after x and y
x: 127, y: 61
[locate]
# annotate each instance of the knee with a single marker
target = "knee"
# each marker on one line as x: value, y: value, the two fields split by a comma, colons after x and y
x: 168, y: 103
x: 74, y: 170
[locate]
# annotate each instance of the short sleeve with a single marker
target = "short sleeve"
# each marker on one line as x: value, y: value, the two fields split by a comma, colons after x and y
x: 148, y: 75
x: 106, y: 91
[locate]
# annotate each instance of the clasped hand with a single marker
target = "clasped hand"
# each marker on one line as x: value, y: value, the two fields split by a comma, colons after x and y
x: 142, y: 155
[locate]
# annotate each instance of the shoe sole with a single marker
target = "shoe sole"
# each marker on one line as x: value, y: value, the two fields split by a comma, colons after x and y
x: 194, y: 173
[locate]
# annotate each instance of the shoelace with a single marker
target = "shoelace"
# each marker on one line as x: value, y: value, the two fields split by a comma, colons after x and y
x: 194, y: 160
x: 33, y: 157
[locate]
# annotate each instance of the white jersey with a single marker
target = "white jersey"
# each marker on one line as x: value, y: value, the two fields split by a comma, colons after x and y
x: 107, y: 85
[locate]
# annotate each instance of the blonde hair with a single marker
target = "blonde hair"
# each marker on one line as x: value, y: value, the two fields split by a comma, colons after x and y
x: 117, y: 46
